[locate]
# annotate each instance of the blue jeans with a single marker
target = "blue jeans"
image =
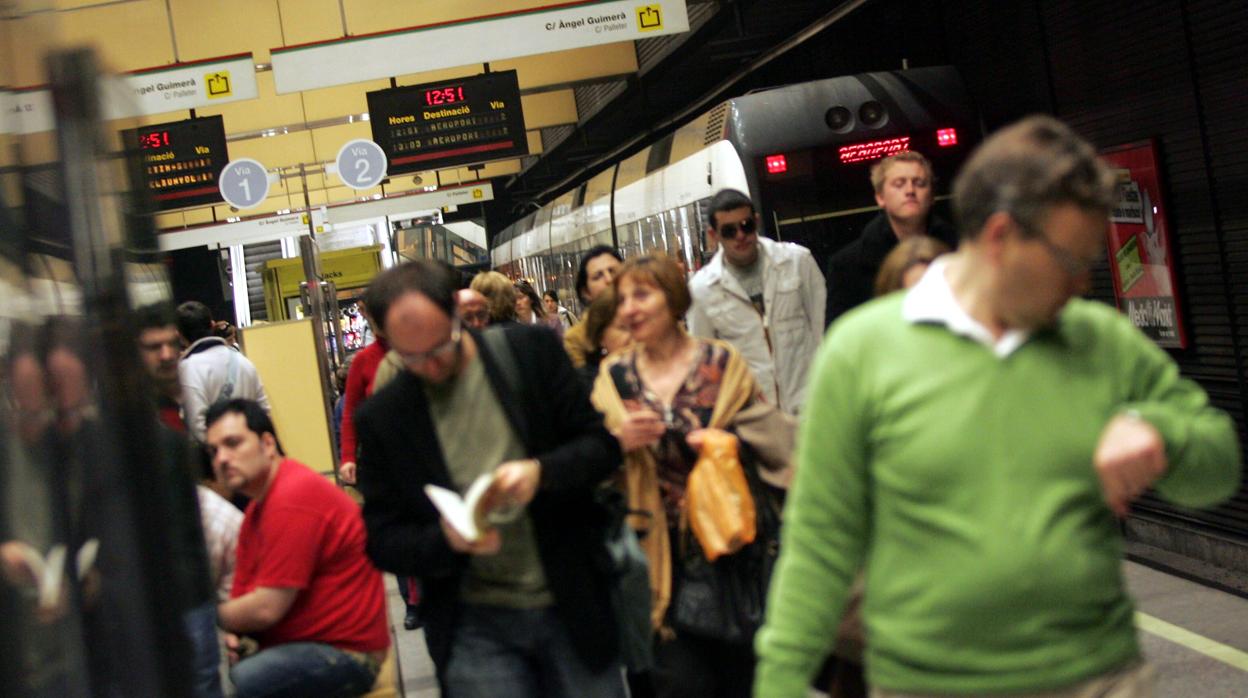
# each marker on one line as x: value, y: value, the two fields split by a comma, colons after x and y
x: 513, y: 653
x: 301, y: 670
x: 200, y: 624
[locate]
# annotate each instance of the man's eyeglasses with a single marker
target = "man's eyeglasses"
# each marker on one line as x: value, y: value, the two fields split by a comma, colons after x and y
x: 419, y: 358
x: 745, y: 226
x: 1070, y: 262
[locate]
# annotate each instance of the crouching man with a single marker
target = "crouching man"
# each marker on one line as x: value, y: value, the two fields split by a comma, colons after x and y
x: 303, y: 587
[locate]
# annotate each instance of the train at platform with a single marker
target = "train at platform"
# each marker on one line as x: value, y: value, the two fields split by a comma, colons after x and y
x: 801, y: 152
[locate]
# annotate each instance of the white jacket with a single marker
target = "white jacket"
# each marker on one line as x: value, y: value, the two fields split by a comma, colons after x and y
x: 206, y: 368
x: 794, y: 295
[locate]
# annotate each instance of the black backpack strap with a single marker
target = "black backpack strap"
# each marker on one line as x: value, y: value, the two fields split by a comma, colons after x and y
x: 496, y: 342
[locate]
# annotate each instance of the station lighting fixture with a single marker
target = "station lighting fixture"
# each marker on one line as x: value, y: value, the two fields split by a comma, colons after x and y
x: 946, y: 137
x: 777, y: 164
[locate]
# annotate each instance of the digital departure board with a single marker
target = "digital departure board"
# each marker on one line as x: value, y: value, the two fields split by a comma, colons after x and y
x: 179, y: 162
x: 443, y: 124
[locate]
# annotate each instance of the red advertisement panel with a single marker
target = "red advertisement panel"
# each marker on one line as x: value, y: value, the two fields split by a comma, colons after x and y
x: 1139, y: 246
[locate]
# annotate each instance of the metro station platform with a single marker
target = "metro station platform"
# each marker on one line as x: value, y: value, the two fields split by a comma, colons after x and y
x: 1195, y: 637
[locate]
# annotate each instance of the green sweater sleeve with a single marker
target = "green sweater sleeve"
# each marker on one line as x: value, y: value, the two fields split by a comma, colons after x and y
x: 825, y: 530
x: 1202, y: 449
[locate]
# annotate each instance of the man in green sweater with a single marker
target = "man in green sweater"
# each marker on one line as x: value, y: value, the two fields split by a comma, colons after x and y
x: 970, y: 443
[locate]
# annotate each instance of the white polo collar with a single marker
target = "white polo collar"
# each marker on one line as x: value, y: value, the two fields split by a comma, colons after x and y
x: 931, y: 300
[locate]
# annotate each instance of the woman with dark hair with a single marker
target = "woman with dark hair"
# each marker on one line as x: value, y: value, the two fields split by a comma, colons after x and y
x: 595, y: 273
x: 605, y: 332
x: 662, y: 396
x: 552, y: 306
x: 529, y: 310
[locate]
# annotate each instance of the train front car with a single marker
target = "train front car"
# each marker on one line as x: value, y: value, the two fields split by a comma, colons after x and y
x: 802, y: 152
x: 807, y: 148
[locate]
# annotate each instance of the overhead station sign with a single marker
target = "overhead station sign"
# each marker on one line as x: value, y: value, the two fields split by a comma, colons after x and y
x: 472, y: 40
x: 149, y: 91
x: 443, y: 124
x: 179, y: 162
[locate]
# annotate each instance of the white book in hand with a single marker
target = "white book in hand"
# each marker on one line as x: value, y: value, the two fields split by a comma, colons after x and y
x: 464, y: 514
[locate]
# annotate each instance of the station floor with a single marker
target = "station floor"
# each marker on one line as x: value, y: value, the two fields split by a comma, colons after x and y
x: 1194, y: 636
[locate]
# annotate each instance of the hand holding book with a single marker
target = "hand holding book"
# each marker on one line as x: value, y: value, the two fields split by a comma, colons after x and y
x: 493, y: 498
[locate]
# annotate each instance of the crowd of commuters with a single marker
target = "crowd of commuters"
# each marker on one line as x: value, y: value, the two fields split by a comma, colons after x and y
x: 974, y: 433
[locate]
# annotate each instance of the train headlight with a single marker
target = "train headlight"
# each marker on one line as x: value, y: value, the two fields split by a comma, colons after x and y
x: 872, y: 114
x: 838, y: 119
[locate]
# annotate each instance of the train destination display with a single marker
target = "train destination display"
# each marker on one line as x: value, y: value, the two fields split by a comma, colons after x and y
x: 449, y: 123
x: 179, y: 162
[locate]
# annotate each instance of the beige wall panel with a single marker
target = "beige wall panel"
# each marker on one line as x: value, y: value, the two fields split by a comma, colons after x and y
x: 493, y: 169
x: 198, y: 216
x: 285, y: 356
x: 340, y: 195
x: 401, y: 183
x: 333, y: 102
x: 535, y: 142
x: 366, y: 16
x: 329, y: 140
x: 32, y: 36
x: 294, y: 183
x: 225, y: 27
x: 549, y: 109
x: 278, y: 151
x: 161, y: 118
x: 547, y: 69
x: 599, y: 185
x: 73, y: 4
x: 38, y: 148
x: 572, y: 65
x: 305, y: 21
x: 167, y: 221
x: 130, y: 36
x: 463, y: 71
x: 267, y: 111
x: 632, y: 169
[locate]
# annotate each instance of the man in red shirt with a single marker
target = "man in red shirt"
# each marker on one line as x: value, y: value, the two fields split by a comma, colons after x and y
x: 303, y: 586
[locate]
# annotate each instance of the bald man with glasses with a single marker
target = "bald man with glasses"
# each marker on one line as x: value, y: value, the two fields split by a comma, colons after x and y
x: 764, y: 297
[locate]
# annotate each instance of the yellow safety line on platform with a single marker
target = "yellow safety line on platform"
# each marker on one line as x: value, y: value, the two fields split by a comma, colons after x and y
x: 1181, y: 636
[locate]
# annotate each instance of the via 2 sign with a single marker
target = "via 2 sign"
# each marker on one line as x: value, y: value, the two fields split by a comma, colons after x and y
x: 361, y: 164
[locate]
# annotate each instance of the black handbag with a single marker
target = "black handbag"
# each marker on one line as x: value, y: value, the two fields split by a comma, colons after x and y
x: 624, y: 564
x: 726, y: 599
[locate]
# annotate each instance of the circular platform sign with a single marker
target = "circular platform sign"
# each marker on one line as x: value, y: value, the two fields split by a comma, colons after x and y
x: 361, y: 164
x: 244, y: 183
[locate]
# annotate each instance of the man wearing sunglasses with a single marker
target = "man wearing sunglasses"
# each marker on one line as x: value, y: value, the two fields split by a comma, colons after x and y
x: 523, y: 604
x: 764, y: 297
x: 975, y: 442
x: 903, y: 191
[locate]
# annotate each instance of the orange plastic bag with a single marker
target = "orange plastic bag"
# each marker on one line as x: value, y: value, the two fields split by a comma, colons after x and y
x: 718, y: 503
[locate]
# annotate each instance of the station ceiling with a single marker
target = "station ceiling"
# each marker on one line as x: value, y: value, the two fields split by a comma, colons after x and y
x: 583, y: 107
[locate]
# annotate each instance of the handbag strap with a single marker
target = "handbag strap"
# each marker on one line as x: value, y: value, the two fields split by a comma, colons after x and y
x: 496, y: 341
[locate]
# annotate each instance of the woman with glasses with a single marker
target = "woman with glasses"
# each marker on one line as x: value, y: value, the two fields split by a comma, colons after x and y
x: 661, y: 396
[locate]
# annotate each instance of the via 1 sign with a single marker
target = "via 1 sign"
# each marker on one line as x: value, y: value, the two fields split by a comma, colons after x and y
x: 361, y: 164
x: 244, y: 183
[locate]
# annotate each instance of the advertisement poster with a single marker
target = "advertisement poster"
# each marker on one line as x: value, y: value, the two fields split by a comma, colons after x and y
x: 1139, y: 246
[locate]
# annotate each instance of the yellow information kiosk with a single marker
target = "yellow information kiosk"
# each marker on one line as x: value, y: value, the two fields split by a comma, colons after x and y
x: 350, y: 270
